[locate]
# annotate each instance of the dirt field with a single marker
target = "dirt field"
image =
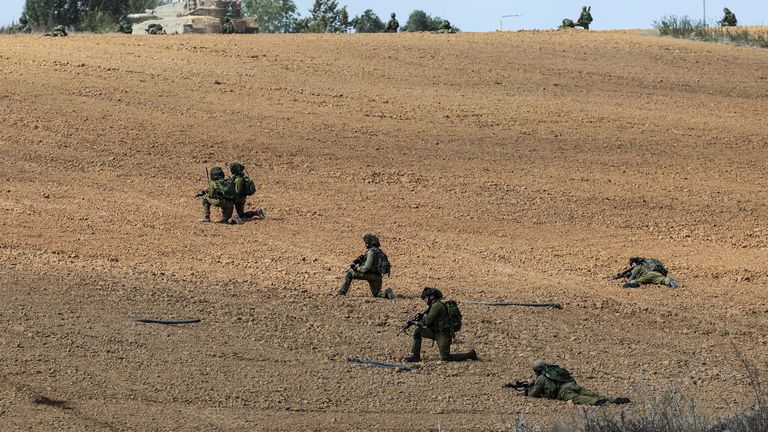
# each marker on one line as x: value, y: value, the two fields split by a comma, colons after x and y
x: 506, y: 166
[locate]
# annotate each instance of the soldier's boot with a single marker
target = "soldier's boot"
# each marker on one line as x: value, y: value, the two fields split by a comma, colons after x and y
x: 260, y: 214
x: 222, y: 220
x: 631, y: 285
x: 236, y: 219
x: 413, y: 358
x: 341, y: 293
x: 601, y: 402
x: 206, y: 212
x: 471, y: 355
x: 672, y: 282
x: 621, y: 400
x: 205, y: 219
x: 388, y: 294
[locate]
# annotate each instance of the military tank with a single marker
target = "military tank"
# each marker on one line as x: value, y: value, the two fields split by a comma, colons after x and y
x: 194, y: 16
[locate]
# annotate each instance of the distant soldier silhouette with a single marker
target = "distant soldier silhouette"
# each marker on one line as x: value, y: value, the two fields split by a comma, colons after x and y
x: 392, y: 24
x: 729, y: 20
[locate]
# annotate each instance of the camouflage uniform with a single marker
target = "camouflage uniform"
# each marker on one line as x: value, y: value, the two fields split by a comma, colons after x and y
x: 59, y: 30
x: 215, y: 198
x: 554, y: 382
x: 648, y: 272
x: 124, y: 26
x: 367, y: 270
x: 155, y: 29
x: 228, y: 27
x: 585, y: 19
x: 392, y: 24
x: 729, y: 20
x: 436, y: 325
x: 238, y: 177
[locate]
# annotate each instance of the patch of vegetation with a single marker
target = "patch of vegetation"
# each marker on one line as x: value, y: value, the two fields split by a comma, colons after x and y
x: 687, y: 28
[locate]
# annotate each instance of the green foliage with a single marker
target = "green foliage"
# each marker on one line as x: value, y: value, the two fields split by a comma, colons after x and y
x: 368, y: 22
x: 273, y: 16
x: 91, y: 15
x: 419, y: 20
x: 325, y: 17
x: 98, y: 22
x: 686, y: 28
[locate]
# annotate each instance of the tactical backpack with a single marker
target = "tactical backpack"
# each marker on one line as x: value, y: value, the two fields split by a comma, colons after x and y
x: 249, y: 187
x: 225, y: 189
x: 653, y: 264
x: 454, y: 315
x: 382, y: 262
x: 557, y: 374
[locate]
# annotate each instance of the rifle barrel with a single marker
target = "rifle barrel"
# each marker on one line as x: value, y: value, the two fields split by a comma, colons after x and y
x: 486, y: 303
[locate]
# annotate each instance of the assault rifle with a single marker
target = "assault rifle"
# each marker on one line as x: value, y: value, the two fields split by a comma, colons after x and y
x: 623, y: 274
x: 203, y: 192
x: 519, y: 385
x: 358, y: 261
x: 411, y: 322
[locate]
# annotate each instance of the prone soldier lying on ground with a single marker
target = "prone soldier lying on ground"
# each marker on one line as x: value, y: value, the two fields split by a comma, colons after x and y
x: 645, y: 271
x: 554, y: 382
x: 439, y: 322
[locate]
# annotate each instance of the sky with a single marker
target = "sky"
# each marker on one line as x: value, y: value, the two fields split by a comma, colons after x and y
x: 484, y: 15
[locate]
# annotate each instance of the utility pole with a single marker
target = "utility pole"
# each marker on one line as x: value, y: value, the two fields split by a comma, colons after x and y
x: 501, y: 20
x: 704, y: 4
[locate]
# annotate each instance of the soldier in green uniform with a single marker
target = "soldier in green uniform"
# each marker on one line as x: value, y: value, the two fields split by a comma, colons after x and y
x: 367, y: 267
x: 124, y: 26
x: 435, y: 324
x: 554, y: 382
x: 155, y: 29
x: 729, y: 20
x: 217, y: 195
x: 228, y: 27
x: 585, y: 19
x: 59, y: 30
x: 392, y: 24
x: 645, y: 271
x: 238, y: 178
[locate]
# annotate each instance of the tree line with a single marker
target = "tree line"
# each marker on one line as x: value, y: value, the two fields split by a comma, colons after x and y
x: 273, y: 16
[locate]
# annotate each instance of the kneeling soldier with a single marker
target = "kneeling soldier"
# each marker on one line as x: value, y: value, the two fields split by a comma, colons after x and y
x: 370, y: 266
x: 436, y: 324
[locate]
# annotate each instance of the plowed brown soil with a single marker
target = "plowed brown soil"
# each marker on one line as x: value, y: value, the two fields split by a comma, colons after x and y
x: 517, y: 166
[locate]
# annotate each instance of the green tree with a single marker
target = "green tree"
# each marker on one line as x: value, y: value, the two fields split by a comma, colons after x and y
x: 81, y: 14
x: 419, y: 20
x: 368, y: 22
x: 273, y: 16
x: 325, y: 17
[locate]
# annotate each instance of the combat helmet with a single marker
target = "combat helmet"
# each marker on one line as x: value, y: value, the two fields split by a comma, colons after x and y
x: 635, y: 260
x: 236, y: 168
x: 392, y: 15
x: 539, y: 366
x: 371, y: 239
x: 428, y: 291
x: 216, y: 173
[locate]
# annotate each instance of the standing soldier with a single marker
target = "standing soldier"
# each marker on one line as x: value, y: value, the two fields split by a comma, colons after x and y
x: 220, y: 193
x: 554, y: 382
x: 585, y: 19
x: 392, y: 24
x: 228, y: 27
x: 370, y: 266
x: 435, y: 323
